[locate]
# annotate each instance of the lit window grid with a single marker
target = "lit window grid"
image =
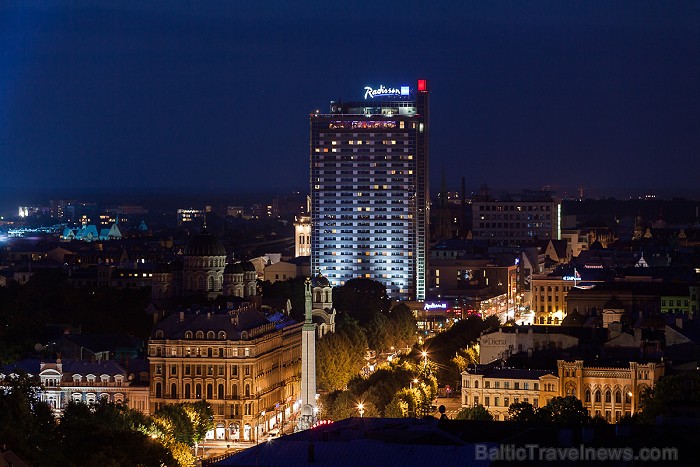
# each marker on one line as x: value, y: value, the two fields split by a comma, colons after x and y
x: 355, y: 188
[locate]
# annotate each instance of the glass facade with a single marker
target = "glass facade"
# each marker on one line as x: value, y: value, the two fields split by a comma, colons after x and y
x: 369, y: 193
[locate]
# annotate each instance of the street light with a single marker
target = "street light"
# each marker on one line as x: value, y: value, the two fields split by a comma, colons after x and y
x: 361, y: 408
x: 415, y: 381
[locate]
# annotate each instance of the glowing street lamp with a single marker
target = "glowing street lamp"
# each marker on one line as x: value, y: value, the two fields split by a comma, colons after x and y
x: 361, y: 408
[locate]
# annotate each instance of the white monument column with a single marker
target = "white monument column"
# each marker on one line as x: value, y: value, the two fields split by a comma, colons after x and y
x: 308, y: 364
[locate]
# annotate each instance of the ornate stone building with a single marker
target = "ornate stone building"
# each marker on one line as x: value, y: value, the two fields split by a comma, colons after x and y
x: 246, y: 364
x: 609, y: 392
x: 202, y: 271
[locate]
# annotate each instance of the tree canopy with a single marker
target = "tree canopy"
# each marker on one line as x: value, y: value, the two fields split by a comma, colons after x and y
x: 669, y: 392
x: 477, y: 412
x: 362, y: 299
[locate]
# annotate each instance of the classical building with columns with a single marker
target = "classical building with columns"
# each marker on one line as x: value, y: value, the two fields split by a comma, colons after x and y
x: 246, y: 364
x: 611, y: 391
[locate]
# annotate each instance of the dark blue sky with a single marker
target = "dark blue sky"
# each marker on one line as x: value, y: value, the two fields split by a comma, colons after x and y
x: 162, y: 94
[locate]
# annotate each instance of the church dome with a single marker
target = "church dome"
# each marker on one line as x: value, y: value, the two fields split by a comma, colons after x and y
x: 233, y: 268
x: 204, y: 244
x: 320, y: 281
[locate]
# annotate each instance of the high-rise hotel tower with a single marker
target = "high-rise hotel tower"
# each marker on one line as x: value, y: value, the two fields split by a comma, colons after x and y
x: 369, y: 189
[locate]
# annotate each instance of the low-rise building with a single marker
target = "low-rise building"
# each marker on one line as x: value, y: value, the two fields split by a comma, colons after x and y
x: 497, y: 388
x: 82, y: 381
x: 610, y: 391
x: 509, y: 340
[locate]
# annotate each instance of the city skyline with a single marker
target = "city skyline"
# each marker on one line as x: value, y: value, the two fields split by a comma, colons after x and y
x: 166, y: 96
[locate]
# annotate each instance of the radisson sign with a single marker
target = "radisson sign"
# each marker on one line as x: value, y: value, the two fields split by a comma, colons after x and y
x: 381, y: 91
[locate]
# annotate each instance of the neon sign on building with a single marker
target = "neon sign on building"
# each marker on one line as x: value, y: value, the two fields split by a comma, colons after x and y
x: 381, y: 91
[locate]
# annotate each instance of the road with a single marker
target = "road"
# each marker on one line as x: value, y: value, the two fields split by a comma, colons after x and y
x: 452, y: 406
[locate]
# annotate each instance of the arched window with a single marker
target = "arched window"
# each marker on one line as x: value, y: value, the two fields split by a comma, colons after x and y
x: 159, y: 391
x: 476, y: 384
x: 210, y: 334
x: 221, y: 391
x: 211, y: 283
x: 618, y: 397
x: 588, y: 395
x: 222, y: 335
x: 608, y: 396
x: 210, y: 391
x: 200, y: 334
x: 198, y: 391
x: 234, y: 391
x: 159, y: 334
x: 597, y: 395
x: 187, y: 391
x: 188, y: 334
x: 247, y: 390
x: 173, y: 391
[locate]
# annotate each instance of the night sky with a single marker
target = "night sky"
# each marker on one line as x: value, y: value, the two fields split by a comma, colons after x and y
x: 166, y: 95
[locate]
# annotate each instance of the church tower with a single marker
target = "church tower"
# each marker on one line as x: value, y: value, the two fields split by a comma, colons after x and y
x: 308, y: 363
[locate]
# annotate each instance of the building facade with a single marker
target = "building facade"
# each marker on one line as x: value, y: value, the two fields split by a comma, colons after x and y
x: 549, y: 297
x: 608, y: 392
x: 517, y: 220
x: 247, y: 365
x: 202, y: 270
x: 510, y: 340
x: 497, y: 388
x: 369, y: 190
x: 83, y: 381
x: 302, y: 236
